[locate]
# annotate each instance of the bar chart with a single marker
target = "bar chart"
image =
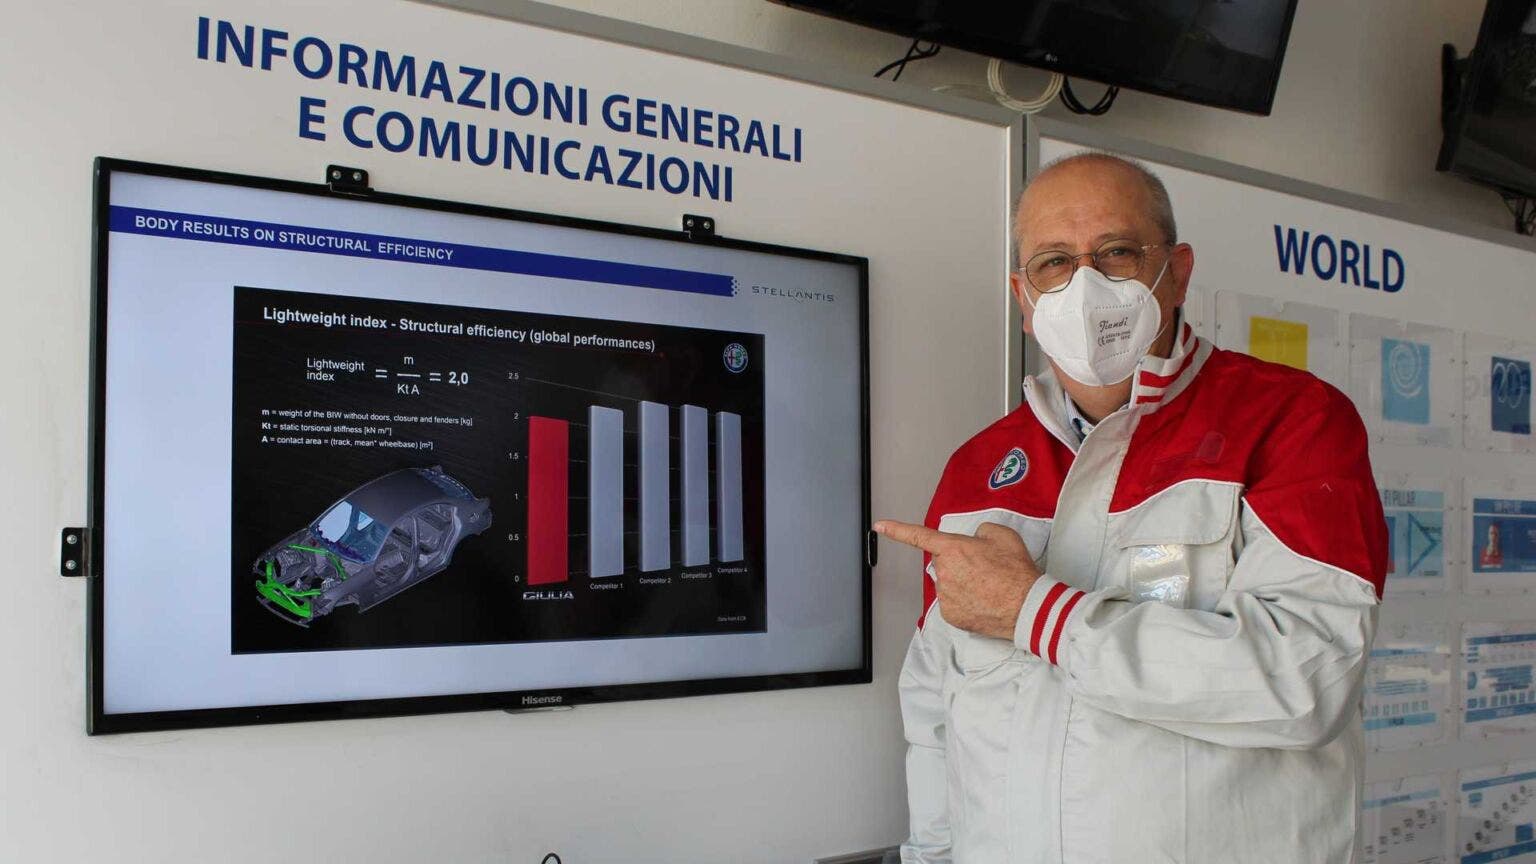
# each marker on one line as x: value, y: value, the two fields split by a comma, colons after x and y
x: 639, y: 446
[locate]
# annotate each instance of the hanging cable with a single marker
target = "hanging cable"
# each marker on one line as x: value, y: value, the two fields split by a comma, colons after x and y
x: 1105, y: 102
x: 914, y: 52
x: 1023, y: 106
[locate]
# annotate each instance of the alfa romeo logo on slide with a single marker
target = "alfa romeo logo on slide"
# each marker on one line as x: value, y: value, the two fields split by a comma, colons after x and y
x: 735, y: 357
x: 1406, y: 376
x: 1009, y: 471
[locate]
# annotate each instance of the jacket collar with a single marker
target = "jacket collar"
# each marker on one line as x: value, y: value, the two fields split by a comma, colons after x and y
x: 1159, y: 380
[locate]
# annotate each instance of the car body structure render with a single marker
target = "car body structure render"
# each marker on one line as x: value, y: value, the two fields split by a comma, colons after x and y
x: 381, y: 538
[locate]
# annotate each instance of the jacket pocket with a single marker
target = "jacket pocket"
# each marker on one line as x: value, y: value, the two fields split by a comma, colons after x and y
x: 1179, y: 546
x: 976, y: 654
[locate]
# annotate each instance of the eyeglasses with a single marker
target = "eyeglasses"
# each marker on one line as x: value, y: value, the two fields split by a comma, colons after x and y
x: 1118, y: 260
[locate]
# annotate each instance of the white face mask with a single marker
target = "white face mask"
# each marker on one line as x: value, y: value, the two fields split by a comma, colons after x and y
x: 1095, y: 329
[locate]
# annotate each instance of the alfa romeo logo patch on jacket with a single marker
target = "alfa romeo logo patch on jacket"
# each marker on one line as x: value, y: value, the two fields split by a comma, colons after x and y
x: 1009, y: 471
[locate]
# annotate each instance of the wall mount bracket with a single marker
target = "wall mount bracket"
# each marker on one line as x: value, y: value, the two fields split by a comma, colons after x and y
x: 698, y: 227
x: 72, y: 552
x: 342, y: 178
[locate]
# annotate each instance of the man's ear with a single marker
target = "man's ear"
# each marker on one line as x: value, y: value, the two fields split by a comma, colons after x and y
x: 1181, y: 261
x: 1026, y: 312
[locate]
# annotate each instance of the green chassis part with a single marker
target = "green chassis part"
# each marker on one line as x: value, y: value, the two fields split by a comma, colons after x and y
x: 329, y: 556
x: 288, y: 598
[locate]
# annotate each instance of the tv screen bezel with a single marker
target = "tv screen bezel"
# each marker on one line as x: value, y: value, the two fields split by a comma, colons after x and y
x: 98, y: 721
x: 1008, y: 51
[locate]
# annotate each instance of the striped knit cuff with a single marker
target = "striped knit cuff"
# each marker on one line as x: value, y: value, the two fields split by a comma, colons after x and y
x: 1044, y: 617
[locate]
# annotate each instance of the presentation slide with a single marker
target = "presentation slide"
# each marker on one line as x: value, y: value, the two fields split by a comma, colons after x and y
x: 357, y: 450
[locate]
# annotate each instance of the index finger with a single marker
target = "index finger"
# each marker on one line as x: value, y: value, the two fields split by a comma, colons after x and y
x: 921, y: 536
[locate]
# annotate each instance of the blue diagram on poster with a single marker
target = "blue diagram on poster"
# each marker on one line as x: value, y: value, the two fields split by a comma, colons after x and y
x: 1509, y: 393
x: 1405, y: 381
x: 1498, y: 815
x: 1503, y: 535
x: 1416, y: 531
x: 1500, y: 688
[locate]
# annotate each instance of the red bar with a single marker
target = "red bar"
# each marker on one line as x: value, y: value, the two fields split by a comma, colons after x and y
x: 549, y: 451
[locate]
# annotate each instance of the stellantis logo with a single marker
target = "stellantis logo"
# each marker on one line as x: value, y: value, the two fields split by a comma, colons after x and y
x: 543, y: 700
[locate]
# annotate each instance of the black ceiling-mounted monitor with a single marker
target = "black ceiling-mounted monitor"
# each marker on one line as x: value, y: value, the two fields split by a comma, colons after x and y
x: 358, y: 454
x: 1215, y: 52
x: 1489, y: 102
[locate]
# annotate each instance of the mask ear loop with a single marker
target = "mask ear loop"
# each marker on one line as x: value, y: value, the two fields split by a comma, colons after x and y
x: 1027, y: 288
x: 1153, y: 292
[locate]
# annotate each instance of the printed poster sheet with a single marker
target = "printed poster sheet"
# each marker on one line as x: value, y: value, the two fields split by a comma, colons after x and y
x: 1503, y: 548
x: 1404, y: 379
x: 1404, y: 822
x: 1498, y: 394
x: 1196, y: 311
x: 1498, y: 697
x: 1497, y: 821
x: 1407, y: 688
x: 1415, y: 508
x: 1294, y: 334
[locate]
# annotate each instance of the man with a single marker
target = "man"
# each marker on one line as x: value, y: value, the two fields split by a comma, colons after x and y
x: 1153, y: 586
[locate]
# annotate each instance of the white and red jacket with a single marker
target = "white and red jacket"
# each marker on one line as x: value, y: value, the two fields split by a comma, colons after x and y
x: 1183, y: 683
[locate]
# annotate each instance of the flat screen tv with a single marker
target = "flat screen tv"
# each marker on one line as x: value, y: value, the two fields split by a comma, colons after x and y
x: 1215, y: 52
x: 1489, y: 115
x: 364, y: 454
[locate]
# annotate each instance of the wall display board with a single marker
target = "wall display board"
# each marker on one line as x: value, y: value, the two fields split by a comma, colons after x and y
x: 430, y: 440
x: 1422, y: 522
x: 1298, y: 335
x: 1501, y: 539
x: 1197, y: 311
x: 1497, y: 391
x: 1497, y: 818
x: 1498, y: 684
x: 1405, y: 821
x: 1404, y: 378
x: 1407, y: 687
x: 1439, y: 377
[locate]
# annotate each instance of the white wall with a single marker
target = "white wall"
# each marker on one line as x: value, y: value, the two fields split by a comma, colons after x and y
x: 770, y: 777
x: 1357, y: 108
x: 764, y: 777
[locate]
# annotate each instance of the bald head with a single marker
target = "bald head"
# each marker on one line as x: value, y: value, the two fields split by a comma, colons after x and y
x: 1101, y: 178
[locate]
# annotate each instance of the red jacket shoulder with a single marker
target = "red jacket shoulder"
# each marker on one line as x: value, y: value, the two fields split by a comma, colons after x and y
x: 1014, y: 464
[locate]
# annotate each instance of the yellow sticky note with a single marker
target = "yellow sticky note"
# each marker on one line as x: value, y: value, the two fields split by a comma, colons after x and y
x: 1278, y: 341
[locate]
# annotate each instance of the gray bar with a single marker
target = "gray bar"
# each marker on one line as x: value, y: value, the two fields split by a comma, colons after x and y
x: 695, y: 486
x: 605, y: 492
x: 728, y: 485
x: 655, y: 487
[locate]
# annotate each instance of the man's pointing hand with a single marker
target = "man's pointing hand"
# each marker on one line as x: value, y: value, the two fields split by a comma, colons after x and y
x: 982, y: 580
